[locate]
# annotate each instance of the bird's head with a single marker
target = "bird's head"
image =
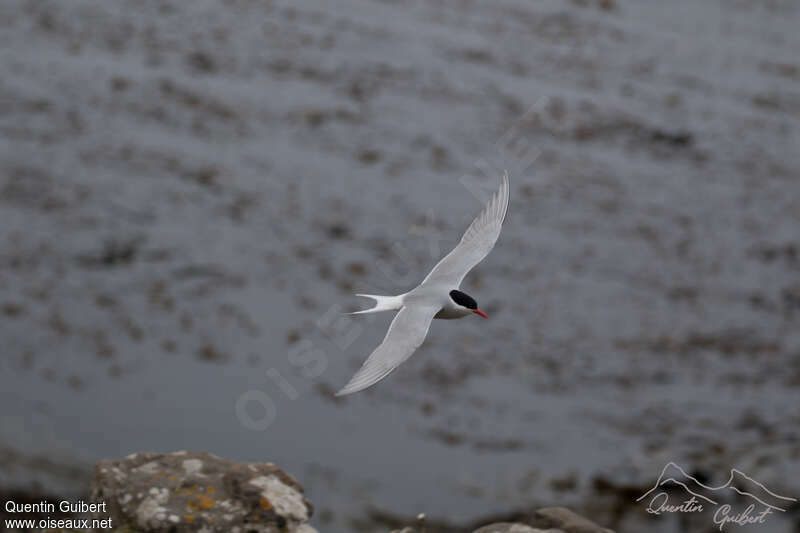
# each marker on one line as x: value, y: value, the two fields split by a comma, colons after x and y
x: 467, y: 302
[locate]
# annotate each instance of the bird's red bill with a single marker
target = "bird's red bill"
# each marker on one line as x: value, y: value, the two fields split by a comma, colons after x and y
x: 479, y: 312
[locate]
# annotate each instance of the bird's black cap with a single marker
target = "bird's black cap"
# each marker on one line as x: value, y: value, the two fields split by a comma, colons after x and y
x: 464, y: 300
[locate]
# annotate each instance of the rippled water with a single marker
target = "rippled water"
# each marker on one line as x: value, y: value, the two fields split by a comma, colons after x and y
x: 191, y: 195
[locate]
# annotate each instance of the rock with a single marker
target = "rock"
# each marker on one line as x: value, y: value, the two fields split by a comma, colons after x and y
x: 567, y: 521
x: 510, y: 527
x: 545, y: 520
x: 191, y: 491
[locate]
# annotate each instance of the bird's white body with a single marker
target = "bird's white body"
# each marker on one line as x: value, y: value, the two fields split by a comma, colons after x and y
x: 426, y: 295
x: 449, y: 312
x: 436, y: 297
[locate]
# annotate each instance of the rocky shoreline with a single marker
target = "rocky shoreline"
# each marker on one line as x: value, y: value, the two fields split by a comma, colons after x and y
x: 184, y: 491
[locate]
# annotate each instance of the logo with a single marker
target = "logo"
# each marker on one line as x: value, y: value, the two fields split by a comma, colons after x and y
x: 675, y: 491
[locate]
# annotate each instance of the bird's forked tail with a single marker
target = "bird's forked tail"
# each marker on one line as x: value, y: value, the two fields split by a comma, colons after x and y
x: 382, y: 303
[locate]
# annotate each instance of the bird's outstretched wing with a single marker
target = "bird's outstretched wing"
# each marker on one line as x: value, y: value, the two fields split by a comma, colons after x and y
x: 408, y: 330
x: 476, y: 243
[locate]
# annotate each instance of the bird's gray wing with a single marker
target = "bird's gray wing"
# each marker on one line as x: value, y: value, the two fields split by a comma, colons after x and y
x: 476, y: 243
x: 408, y: 330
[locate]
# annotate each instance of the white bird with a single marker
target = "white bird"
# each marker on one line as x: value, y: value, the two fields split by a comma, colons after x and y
x: 436, y: 297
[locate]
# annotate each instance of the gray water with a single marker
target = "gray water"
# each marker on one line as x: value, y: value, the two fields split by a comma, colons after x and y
x: 191, y: 193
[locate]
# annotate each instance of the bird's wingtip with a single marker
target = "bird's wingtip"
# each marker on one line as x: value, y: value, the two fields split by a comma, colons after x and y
x: 355, y: 385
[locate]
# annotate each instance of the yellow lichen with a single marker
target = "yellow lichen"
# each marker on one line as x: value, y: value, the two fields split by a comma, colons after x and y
x: 201, y: 502
x: 206, y: 502
x: 265, y: 504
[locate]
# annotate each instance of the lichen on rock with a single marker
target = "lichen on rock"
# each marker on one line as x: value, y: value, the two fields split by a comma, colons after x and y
x: 192, y: 491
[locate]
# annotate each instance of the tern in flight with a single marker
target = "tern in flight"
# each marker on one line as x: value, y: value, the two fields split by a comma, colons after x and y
x: 438, y: 296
